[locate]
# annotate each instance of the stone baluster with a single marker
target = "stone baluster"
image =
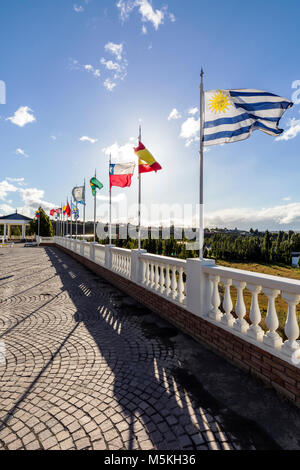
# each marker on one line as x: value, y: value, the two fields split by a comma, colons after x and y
x: 168, y: 281
x: 272, y: 338
x: 147, y: 273
x: 152, y: 275
x: 144, y: 272
x: 156, y: 277
x: 227, y: 318
x: 240, y: 323
x: 215, y: 312
x: 174, y: 283
x: 255, y: 331
x: 162, y: 279
x: 291, y: 328
x: 180, y: 288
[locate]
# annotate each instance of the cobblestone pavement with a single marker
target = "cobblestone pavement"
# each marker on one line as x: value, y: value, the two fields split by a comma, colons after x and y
x: 86, y: 367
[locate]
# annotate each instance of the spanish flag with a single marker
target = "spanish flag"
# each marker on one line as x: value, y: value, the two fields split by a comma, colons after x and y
x: 147, y: 162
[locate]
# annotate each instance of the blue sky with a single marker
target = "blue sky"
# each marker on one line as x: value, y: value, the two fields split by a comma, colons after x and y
x: 93, y: 69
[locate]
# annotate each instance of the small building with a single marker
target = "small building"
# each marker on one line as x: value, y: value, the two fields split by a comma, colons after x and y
x: 295, y: 258
x: 14, y: 219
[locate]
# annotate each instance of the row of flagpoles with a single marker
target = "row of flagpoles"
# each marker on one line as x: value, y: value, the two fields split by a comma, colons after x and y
x: 120, y: 174
x: 225, y: 116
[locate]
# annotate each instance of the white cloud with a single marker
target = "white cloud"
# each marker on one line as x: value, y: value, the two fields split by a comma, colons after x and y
x: 110, y: 65
x: 6, y: 188
x: 22, y: 153
x: 75, y: 65
x: 115, y: 49
x: 148, y: 13
x: 85, y: 138
x: 6, y: 209
x: 109, y: 84
x: 31, y: 197
x: 22, y: 116
x: 288, y: 198
x: 118, y: 69
x: 120, y: 153
x: 193, y: 111
x: 172, y: 17
x: 296, y: 94
x: 34, y: 198
x: 292, y: 131
x: 144, y: 29
x: 174, y: 114
x: 53, y: 137
x: 15, y: 180
x: 190, y: 128
x: 271, y: 217
x: 78, y: 9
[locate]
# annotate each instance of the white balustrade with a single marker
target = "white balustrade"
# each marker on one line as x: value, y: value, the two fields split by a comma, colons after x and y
x: 165, y: 276
x: 256, y: 283
x: 100, y: 254
x: 121, y: 261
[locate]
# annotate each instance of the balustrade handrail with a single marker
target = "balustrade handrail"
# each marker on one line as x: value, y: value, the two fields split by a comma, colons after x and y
x: 122, y: 251
x: 163, y: 259
x: 265, y: 280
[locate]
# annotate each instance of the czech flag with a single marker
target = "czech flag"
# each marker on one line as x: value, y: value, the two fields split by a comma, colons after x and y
x: 120, y: 174
x: 147, y: 162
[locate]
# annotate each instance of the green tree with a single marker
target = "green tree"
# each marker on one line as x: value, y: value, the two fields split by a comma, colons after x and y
x: 46, y: 228
x: 15, y: 231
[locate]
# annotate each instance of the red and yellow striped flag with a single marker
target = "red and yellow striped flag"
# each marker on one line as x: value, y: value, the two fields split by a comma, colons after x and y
x: 147, y: 162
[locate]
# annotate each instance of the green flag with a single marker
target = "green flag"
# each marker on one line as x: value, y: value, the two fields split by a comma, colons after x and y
x: 94, y: 185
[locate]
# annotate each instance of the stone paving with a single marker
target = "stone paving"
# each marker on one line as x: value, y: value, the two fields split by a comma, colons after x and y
x: 86, y: 367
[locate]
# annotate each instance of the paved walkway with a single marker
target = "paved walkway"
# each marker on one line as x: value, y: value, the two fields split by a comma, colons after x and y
x: 88, y: 368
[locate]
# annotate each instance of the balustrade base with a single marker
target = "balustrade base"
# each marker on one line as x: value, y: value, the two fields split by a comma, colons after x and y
x: 227, y: 320
x: 273, y: 340
x: 256, y: 332
x: 290, y: 347
x: 241, y: 325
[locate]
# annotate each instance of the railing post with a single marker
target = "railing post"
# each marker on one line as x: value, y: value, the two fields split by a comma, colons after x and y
x: 82, y: 248
x: 197, y: 286
x: 136, y: 271
x: 108, y: 256
x: 92, y: 251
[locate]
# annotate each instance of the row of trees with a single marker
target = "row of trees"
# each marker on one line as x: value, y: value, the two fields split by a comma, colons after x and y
x: 255, y: 247
x: 268, y: 248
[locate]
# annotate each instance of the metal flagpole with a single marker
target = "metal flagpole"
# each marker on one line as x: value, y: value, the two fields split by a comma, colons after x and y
x: 201, y: 214
x: 71, y: 217
x: 109, y: 203
x: 67, y: 219
x: 83, y: 229
x: 140, y: 194
x: 76, y: 219
x: 95, y: 211
x: 60, y: 217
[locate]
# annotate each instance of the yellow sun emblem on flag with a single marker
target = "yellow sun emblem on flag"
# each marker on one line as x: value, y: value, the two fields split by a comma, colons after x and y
x: 219, y: 102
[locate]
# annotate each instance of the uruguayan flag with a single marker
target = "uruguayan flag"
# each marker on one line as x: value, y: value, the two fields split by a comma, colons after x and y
x: 232, y: 115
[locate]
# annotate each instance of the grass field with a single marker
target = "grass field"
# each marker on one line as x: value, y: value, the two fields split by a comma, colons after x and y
x: 281, y: 305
